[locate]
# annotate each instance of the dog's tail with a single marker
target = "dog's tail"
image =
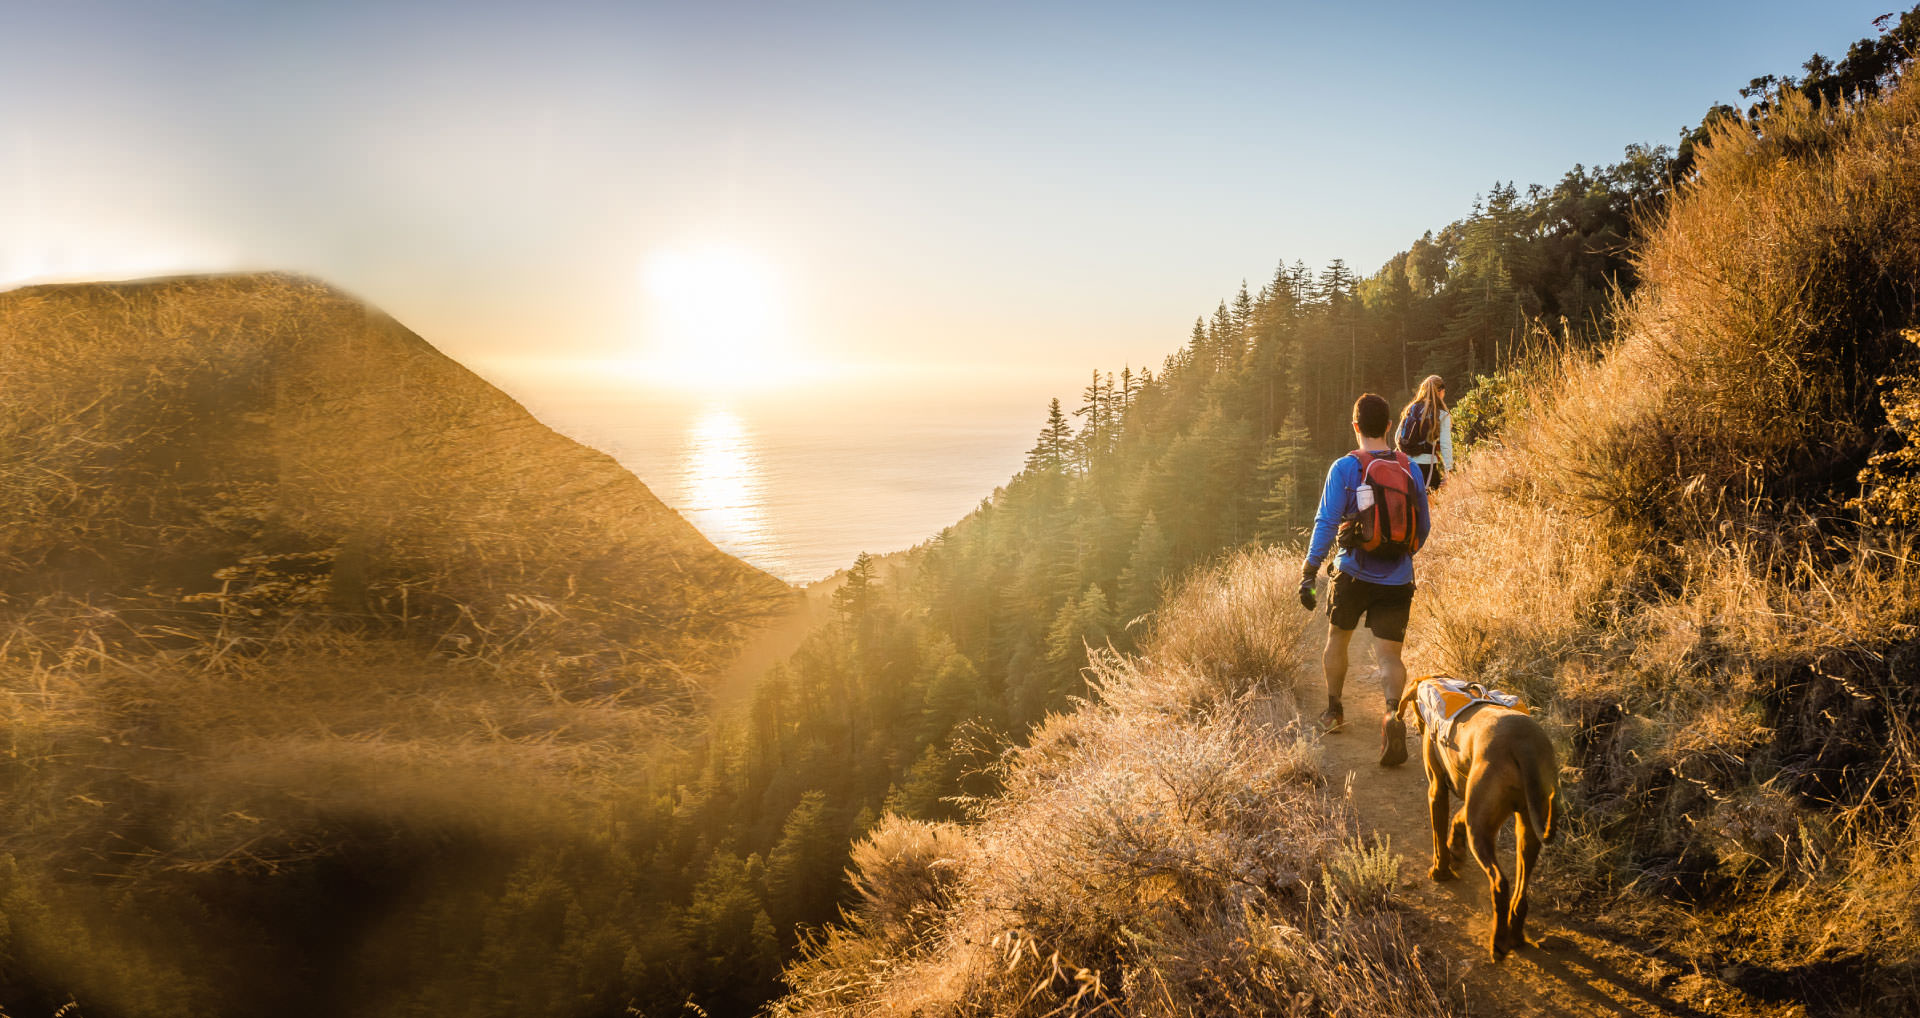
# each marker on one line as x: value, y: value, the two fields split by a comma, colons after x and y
x: 1543, y: 797
x: 1407, y: 693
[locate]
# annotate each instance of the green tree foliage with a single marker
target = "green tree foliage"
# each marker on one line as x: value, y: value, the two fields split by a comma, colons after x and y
x: 1288, y: 475
x: 729, y: 933
x: 1082, y: 622
x: 1053, y: 451
x: 811, y: 846
x: 1146, y: 569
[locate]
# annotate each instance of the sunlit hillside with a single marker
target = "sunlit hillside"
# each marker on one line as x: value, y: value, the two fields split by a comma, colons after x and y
x: 317, y: 653
x: 1698, y: 548
x: 1171, y: 848
x: 1692, y: 545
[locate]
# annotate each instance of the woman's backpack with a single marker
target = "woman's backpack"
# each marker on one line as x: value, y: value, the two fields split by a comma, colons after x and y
x: 1385, y: 523
x: 1411, y: 437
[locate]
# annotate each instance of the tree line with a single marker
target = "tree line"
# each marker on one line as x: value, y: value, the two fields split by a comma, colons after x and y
x: 936, y: 657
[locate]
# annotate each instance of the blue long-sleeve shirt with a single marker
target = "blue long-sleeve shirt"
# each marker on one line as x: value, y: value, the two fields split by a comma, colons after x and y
x: 1336, y: 502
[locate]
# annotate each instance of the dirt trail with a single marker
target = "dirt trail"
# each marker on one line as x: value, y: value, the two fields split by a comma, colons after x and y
x: 1580, y: 968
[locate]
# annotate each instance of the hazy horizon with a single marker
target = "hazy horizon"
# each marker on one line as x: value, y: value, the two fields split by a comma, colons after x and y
x: 696, y: 191
x: 799, y: 481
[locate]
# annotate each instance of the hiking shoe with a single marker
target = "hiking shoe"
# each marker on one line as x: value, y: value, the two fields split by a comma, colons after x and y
x: 1393, y: 741
x: 1333, y: 719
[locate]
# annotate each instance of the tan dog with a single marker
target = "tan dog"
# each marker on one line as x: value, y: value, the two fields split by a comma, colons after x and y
x: 1499, y: 762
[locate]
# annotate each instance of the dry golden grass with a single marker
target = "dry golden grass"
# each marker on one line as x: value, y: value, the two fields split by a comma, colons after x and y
x: 284, y: 593
x: 1170, y: 848
x: 1661, y: 549
x: 1236, y: 632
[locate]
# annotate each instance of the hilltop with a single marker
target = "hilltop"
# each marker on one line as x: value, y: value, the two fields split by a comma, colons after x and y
x: 315, y: 647
x: 160, y: 431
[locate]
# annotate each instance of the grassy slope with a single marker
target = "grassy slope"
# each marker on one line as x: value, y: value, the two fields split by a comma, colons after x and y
x: 1663, y: 548
x: 1170, y: 849
x: 301, y: 621
x: 1666, y: 549
x: 300, y: 413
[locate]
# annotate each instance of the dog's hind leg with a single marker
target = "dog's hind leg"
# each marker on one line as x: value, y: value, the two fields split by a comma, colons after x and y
x: 1539, y: 786
x: 1526, y: 853
x: 1484, y: 819
x: 1437, y: 815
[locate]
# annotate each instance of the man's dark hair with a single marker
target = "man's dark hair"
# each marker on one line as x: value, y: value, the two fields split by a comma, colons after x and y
x: 1373, y: 416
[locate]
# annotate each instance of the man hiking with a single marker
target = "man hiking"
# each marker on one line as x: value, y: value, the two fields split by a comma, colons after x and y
x: 1377, y: 504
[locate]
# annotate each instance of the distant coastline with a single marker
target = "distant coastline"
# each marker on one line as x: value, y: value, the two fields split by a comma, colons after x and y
x: 800, y: 481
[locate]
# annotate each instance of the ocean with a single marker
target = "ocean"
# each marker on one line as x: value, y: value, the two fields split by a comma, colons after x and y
x: 800, y: 481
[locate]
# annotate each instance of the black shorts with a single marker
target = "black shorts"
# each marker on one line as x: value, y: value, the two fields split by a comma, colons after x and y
x: 1386, y: 607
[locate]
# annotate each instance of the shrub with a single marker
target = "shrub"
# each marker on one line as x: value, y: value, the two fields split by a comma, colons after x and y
x: 1493, y: 405
x: 903, y: 871
x: 1165, y: 848
x: 1233, y: 628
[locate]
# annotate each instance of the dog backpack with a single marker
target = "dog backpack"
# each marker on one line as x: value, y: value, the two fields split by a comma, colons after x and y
x: 1384, y: 522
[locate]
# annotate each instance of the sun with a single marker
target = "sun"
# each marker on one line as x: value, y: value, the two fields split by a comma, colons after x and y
x: 717, y: 318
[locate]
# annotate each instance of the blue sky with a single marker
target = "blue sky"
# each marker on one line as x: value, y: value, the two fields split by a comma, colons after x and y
x: 1028, y: 188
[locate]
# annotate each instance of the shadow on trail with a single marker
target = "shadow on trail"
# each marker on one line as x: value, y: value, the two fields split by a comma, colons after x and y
x: 1582, y: 974
x: 1577, y: 973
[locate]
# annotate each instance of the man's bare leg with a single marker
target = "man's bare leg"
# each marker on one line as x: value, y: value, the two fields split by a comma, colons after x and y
x: 1334, y: 662
x: 1393, y: 671
x: 1393, y: 679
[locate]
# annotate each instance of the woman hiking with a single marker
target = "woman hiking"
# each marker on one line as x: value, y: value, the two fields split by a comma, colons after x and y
x: 1426, y: 428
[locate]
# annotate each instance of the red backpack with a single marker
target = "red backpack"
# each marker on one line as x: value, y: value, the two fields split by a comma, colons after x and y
x: 1386, y: 524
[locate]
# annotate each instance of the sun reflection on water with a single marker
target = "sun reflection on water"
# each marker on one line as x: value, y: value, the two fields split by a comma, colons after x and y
x: 723, y: 489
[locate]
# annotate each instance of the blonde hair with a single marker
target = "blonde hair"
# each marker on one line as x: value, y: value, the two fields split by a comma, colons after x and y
x: 1427, y: 398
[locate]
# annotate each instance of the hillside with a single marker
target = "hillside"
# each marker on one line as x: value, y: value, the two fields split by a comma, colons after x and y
x: 1687, y: 538
x: 184, y: 425
x: 316, y: 653
x: 1713, y: 588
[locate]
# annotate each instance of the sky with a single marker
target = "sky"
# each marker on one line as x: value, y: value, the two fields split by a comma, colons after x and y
x: 968, y: 190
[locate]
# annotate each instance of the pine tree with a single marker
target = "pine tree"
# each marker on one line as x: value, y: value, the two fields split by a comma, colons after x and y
x: 1095, y: 617
x: 934, y: 777
x: 1480, y: 287
x: 1242, y: 315
x: 1050, y: 454
x: 1225, y: 335
x: 730, y: 935
x: 1097, y: 407
x: 1287, y: 472
x: 857, y: 594
x: 952, y: 695
x: 804, y: 878
x: 1140, y: 581
x: 1336, y: 294
x: 1083, y: 621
